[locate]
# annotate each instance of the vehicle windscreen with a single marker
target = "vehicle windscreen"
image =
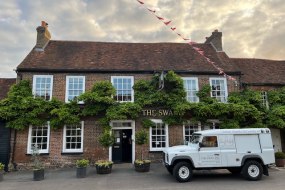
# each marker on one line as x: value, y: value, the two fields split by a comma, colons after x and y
x: 195, y: 138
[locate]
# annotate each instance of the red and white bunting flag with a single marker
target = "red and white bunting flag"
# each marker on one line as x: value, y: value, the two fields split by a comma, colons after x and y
x: 221, y: 72
x: 173, y: 28
x: 167, y: 23
x: 197, y: 49
x: 140, y: 2
x: 151, y: 10
x: 160, y: 18
x: 192, y: 43
x: 186, y: 39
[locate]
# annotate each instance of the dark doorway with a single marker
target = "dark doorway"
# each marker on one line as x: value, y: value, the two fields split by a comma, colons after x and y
x: 122, y: 148
x: 4, y: 144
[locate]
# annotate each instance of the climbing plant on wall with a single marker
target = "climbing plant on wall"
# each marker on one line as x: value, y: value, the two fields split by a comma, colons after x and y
x: 21, y: 109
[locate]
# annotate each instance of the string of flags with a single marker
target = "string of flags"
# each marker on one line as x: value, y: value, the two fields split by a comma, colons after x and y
x: 168, y: 22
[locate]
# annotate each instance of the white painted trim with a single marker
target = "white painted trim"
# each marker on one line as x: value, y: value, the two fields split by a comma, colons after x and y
x: 196, y: 81
x: 29, y: 148
x: 133, y: 128
x: 166, y: 135
x: 42, y: 76
x: 226, y: 86
x: 66, y: 87
x: 199, y: 129
x: 132, y: 84
x: 64, y: 150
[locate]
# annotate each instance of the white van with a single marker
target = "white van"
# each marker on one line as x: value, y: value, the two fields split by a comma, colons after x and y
x: 246, y: 151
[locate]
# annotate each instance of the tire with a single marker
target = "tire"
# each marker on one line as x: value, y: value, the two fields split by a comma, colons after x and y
x: 182, y: 172
x: 252, y: 170
x: 235, y: 171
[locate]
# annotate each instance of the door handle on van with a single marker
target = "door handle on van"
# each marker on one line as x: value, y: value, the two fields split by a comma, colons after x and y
x: 248, y: 151
x: 216, y: 154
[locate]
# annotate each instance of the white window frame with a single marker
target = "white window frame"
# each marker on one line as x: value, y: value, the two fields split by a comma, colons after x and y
x: 187, y: 125
x: 67, y: 87
x: 187, y: 90
x: 80, y: 150
x: 166, y: 136
x: 264, y: 99
x: 132, y: 84
x: 226, y: 88
x: 29, y: 146
x: 35, y: 84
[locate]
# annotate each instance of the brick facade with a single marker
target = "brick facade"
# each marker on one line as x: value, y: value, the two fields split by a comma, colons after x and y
x: 91, y: 147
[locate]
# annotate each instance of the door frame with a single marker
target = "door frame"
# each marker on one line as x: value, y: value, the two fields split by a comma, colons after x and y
x: 133, y: 137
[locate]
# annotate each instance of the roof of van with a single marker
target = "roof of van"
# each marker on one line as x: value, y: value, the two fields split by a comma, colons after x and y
x: 234, y: 131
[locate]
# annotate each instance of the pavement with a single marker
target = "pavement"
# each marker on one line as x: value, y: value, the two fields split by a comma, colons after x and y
x: 124, y: 177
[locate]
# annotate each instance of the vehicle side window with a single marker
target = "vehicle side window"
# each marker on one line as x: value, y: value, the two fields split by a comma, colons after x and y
x: 210, y: 141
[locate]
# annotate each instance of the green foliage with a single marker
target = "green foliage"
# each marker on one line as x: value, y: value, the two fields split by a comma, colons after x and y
x: 279, y: 155
x: 204, y: 94
x: 141, y: 137
x: 107, y: 138
x: 2, y: 166
x: 147, y: 123
x: 122, y: 111
x: 64, y: 114
x: 82, y: 163
x: 104, y: 163
x: 99, y: 99
x: 37, y: 163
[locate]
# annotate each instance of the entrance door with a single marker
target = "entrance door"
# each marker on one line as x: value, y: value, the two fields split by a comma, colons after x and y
x: 4, y: 144
x: 122, y: 148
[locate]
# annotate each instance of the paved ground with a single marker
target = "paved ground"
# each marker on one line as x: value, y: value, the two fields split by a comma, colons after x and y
x: 123, y: 177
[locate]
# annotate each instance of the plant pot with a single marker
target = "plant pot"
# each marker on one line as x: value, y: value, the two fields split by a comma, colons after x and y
x: 39, y: 174
x: 81, y: 172
x: 104, y: 169
x: 144, y: 167
x: 1, y: 175
x: 280, y: 162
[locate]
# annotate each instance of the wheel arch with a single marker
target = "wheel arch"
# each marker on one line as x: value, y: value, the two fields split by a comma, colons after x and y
x: 187, y: 159
x: 252, y: 157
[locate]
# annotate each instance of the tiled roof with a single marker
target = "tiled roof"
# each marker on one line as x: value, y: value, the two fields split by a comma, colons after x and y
x: 109, y: 56
x: 5, y: 85
x: 261, y: 71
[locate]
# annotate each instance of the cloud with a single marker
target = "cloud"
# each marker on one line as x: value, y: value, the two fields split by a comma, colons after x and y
x: 251, y: 28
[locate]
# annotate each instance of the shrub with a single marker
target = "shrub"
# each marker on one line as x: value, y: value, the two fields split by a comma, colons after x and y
x: 82, y: 163
x: 1, y: 166
x: 105, y: 163
x: 279, y: 155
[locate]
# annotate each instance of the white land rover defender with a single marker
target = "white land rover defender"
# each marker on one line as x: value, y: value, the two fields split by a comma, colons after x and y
x: 246, y: 151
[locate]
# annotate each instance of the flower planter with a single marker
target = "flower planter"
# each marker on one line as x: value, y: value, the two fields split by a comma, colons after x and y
x: 280, y: 162
x: 39, y: 174
x: 104, y: 169
x: 81, y: 172
x: 144, y: 167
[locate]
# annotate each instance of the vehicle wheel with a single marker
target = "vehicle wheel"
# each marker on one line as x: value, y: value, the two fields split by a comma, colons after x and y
x: 170, y: 170
x: 252, y: 170
x: 182, y: 172
x: 235, y: 171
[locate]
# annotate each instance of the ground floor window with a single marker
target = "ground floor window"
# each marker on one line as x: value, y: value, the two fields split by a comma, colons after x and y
x: 189, y: 128
x: 73, y: 138
x: 158, y: 135
x: 39, y: 138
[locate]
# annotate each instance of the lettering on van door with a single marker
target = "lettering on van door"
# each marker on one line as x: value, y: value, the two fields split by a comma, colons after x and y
x: 210, y: 154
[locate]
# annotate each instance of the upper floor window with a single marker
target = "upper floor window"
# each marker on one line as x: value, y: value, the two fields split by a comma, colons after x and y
x: 264, y: 99
x: 124, y: 88
x: 39, y: 138
x: 191, y: 88
x: 158, y: 135
x: 75, y: 85
x: 73, y: 138
x: 219, y: 89
x: 42, y: 86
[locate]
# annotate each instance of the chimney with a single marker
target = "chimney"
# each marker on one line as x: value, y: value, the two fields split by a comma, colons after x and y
x: 215, y: 40
x: 43, y: 36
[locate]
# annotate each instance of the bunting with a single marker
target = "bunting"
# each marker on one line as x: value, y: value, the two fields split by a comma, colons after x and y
x: 168, y: 22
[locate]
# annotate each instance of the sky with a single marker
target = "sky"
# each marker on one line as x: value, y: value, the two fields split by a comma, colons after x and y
x: 251, y: 28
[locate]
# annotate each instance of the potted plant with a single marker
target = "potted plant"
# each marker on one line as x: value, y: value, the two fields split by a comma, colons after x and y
x: 81, y: 168
x: 141, y: 165
x: 107, y: 139
x: 1, y: 171
x: 38, y: 168
x: 279, y: 159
